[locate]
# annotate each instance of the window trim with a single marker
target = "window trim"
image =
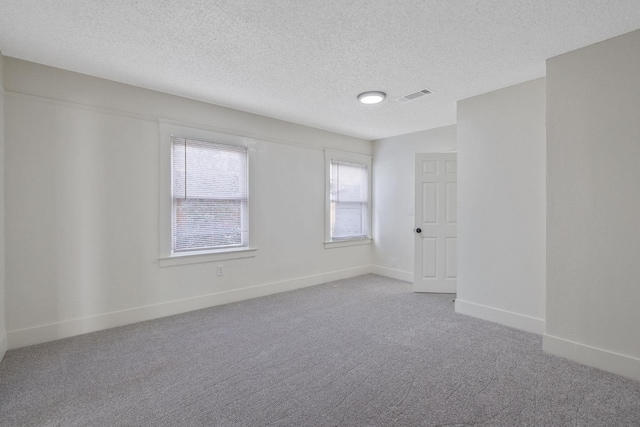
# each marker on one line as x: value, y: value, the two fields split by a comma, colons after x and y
x: 166, y: 258
x: 346, y: 157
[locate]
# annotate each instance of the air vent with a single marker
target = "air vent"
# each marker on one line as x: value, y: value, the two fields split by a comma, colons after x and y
x: 414, y: 95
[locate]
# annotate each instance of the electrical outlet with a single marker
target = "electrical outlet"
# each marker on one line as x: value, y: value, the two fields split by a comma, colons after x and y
x: 221, y: 270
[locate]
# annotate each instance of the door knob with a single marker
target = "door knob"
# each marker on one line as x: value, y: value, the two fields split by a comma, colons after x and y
x: 418, y: 230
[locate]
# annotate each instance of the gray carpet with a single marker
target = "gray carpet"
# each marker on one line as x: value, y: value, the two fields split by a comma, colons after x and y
x: 359, y: 352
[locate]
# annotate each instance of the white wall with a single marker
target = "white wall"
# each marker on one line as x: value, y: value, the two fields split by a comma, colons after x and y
x: 393, y: 196
x: 501, y: 206
x: 3, y: 332
x: 82, y: 158
x: 593, y: 199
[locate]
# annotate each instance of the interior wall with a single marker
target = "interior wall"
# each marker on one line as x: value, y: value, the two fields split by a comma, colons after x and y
x: 3, y: 331
x: 393, y: 196
x: 82, y: 186
x: 593, y: 233
x: 502, y: 206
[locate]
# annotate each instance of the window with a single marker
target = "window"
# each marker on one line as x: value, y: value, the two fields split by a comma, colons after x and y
x: 348, y: 198
x: 209, y: 209
x: 349, y: 201
x: 205, y: 195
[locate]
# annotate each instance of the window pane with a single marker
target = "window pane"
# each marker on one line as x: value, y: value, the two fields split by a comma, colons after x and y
x: 348, y: 220
x: 348, y: 182
x: 209, y: 170
x: 206, y: 223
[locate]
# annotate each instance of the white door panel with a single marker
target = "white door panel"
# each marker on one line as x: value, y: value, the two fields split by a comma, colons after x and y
x: 436, y: 217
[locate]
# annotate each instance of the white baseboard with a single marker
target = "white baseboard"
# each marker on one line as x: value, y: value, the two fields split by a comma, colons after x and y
x: 69, y: 328
x: 507, y: 318
x: 3, y: 346
x: 616, y: 363
x: 406, y: 276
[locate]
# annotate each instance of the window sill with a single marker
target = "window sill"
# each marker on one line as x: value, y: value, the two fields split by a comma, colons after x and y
x: 345, y: 243
x: 206, y: 256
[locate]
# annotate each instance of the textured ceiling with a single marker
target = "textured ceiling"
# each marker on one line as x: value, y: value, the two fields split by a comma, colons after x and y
x: 306, y: 61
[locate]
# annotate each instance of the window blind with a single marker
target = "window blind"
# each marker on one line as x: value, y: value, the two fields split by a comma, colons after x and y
x: 209, y: 195
x: 349, y: 196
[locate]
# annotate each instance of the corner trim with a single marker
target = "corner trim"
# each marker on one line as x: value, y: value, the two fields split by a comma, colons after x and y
x: 504, y: 317
x: 609, y: 361
x: 406, y: 276
x: 68, y: 328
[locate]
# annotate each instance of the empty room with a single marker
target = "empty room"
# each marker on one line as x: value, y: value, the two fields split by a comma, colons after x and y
x: 319, y: 213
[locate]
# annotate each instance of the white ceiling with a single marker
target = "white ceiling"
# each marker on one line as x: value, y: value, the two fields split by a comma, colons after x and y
x: 306, y: 61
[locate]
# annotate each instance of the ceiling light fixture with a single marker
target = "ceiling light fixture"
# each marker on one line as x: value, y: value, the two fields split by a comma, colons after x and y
x: 372, y: 97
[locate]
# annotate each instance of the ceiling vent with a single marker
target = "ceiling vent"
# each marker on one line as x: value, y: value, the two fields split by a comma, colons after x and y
x: 414, y: 95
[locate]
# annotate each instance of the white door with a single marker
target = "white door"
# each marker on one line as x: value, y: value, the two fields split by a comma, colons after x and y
x: 436, y: 223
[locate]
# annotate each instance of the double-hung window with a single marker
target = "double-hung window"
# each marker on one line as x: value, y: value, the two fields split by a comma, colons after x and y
x: 209, y: 194
x: 348, y: 198
x: 205, y: 206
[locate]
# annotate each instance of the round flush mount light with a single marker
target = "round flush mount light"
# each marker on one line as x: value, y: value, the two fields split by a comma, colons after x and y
x: 372, y: 97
